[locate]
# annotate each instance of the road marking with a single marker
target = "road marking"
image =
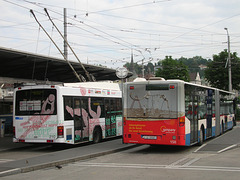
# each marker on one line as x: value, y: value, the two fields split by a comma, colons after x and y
x: 153, y: 166
x: 178, y: 162
x: 199, y: 148
x: 227, y: 148
x: 5, y: 160
x: 119, y: 165
x: 190, y: 162
x: 10, y: 172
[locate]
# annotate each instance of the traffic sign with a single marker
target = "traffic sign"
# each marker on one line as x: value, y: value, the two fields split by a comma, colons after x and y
x: 121, y: 72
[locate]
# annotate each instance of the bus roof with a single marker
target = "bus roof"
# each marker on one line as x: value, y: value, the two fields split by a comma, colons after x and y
x: 93, y: 85
x: 100, y: 85
x: 179, y: 81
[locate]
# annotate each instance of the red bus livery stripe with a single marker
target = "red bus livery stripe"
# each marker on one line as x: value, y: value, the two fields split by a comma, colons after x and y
x: 167, y: 132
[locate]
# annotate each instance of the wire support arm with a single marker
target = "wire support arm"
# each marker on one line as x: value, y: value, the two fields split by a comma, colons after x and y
x: 90, y: 77
x: 75, y: 73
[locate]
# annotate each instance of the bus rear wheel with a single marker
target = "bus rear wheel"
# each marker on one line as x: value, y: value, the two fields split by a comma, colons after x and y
x: 97, y: 135
x: 222, y: 130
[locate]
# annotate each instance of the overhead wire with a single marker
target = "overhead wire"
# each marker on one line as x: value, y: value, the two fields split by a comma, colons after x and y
x: 118, y: 39
x: 110, y: 35
x: 129, y: 46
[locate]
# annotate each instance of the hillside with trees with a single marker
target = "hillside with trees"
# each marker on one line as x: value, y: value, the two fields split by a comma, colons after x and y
x: 214, y: 71
x: 188, y: 64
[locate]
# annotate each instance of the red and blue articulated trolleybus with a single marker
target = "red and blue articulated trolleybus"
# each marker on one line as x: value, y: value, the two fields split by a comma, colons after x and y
x: 174, y: 112
x: 69, y: 113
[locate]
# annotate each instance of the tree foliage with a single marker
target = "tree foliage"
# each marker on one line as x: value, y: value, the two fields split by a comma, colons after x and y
x: 193, y: 64
x: 173, y: 69
x: 217, y: 74
x: 137, y: 67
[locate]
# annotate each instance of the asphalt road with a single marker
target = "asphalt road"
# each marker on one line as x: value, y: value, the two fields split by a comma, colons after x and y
x: 146, y: 162
x: 118, y: 161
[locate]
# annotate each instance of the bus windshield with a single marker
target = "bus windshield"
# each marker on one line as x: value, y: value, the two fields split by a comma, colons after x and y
x: 35, y: 102
x: 154, y: 101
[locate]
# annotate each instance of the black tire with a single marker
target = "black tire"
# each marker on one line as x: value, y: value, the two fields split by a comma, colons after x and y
x: 97, y: 135
x: 201, y: 137
x: 222, y: 131
x: 234, y: 122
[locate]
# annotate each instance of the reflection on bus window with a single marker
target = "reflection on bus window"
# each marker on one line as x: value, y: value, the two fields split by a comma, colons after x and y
x: 36, y: 101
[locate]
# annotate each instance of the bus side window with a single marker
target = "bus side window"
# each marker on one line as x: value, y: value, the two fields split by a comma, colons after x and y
x: 188, y: 107
x: 68, y: 104
x: 119, y: 104
x: 97, y: 106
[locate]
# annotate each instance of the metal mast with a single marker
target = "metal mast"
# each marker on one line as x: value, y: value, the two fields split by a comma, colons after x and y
x: 75, y: 73
x: 90, y: 77
x: 65, y: 33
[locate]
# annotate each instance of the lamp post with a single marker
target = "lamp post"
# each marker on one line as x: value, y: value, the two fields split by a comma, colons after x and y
x: 229, y: 63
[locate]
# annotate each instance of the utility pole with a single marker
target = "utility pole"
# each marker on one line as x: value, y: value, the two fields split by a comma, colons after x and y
x: 229, y: 63
x: 65, y: 52
x: 142, y: 68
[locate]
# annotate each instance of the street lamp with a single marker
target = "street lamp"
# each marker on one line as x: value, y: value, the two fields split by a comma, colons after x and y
x: 229, y: 63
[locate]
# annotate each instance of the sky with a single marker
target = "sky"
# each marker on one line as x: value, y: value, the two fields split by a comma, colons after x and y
x: 107, y: 32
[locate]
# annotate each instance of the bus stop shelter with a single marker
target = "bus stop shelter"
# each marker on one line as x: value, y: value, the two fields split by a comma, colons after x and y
x: 22, y: 65
x: 18, y: 66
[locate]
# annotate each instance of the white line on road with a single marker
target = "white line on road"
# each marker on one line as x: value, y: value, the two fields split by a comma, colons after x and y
x: 178, y: 162
x: 190, y: 162
x: 227, y: 148
x: 5, y: 160
x: 10, y: 172
x: 153, y: 166
x: 199, y: 148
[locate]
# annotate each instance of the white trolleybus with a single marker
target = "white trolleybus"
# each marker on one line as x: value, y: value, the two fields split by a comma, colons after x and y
x: 69, y: 113
x: 174, y: 112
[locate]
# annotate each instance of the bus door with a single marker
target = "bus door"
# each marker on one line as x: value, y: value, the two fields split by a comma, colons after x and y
x: 110, y: 120
x: 194, y: 119
x: 209, y: 113
x: 81, y: 123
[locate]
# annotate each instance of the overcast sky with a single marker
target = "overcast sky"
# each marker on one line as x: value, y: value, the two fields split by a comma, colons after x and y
x: 106, y: 31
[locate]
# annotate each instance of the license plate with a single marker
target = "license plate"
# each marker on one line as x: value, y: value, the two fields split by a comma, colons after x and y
x: 149, y: 137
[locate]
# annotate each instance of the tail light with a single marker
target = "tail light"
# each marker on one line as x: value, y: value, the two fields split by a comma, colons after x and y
x: 181, y: 121
x: 124, y: 121
x: 172, y: 86
x: 60, y: 131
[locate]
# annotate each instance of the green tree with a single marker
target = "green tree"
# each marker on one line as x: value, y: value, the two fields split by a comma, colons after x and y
x: 193, y: 64
x: 217, y: 74
x: 149, y: 68
x: 137, y: 67
x: 173, y: 69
